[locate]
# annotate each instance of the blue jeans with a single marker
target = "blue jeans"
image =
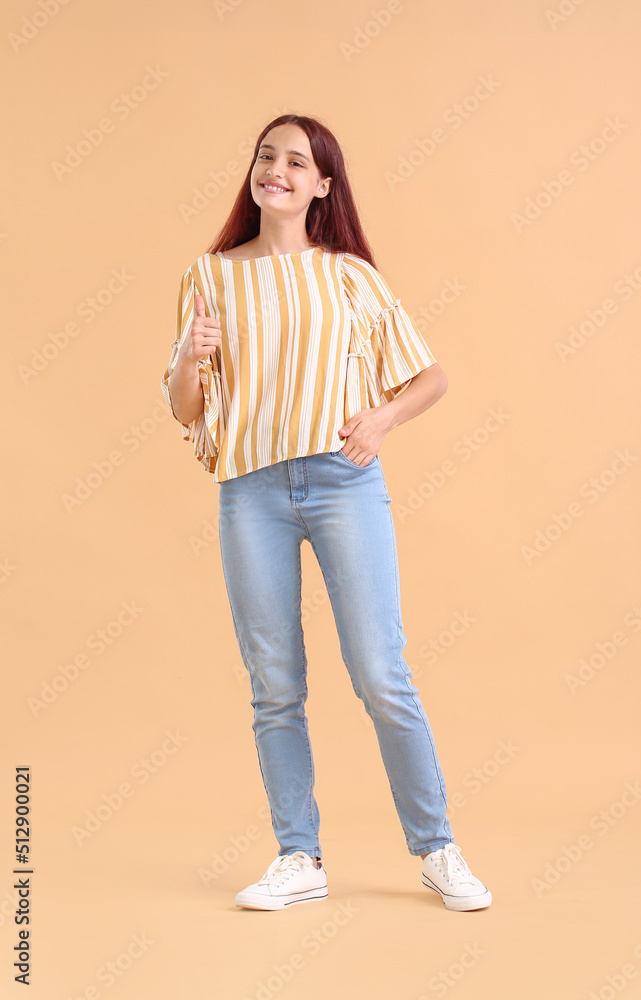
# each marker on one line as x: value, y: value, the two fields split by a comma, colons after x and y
x: 343, y: 510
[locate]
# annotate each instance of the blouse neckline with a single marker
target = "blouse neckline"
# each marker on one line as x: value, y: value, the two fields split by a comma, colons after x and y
x: 271, y: 256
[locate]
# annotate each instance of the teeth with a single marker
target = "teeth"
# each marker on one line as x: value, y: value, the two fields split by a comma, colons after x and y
x: 270, y: 187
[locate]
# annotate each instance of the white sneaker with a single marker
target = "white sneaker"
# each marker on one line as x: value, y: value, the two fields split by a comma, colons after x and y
x: 446, y: 873
x: 291, y: 878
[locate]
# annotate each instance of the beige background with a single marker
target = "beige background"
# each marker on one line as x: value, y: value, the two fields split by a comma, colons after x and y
x: 551, y: 807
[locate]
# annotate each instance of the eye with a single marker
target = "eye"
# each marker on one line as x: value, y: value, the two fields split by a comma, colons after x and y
x: 295, y: 162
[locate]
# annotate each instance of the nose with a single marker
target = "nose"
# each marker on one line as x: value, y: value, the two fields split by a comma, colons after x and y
x: 273, y: 169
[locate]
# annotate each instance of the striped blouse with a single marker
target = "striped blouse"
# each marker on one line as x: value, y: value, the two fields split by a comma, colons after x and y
x: 309, y: 338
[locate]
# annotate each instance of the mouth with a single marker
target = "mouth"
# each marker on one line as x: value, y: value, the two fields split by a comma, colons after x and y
x: 274, y: 188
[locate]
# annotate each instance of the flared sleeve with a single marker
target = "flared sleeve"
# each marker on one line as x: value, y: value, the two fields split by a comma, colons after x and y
x: 386, y: 350
x: 204, y: 431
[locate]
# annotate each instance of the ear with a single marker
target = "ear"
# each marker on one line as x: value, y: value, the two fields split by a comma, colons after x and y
x: 323, y: 188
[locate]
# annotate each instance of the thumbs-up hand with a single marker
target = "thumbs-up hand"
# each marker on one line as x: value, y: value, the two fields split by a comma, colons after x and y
x: 205, y: 334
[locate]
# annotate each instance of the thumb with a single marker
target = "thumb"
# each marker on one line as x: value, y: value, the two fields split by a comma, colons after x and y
x: 199, y: 305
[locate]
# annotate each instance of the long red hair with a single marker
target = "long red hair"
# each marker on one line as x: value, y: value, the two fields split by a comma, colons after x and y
x: 332, y: 222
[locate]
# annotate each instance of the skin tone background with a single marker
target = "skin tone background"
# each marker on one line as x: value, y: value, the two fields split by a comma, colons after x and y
x: 511, y: 236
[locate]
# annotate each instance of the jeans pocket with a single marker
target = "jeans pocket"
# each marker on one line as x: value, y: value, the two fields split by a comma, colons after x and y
x: 355, y: 465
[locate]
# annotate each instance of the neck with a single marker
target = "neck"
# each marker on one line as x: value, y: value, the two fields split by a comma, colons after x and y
x: 278, y: 237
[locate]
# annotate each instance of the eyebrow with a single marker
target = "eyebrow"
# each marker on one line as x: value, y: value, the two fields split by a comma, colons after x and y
x: 266, y: 145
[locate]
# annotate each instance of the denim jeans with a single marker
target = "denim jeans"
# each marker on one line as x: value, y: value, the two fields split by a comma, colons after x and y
x: 343, y: 510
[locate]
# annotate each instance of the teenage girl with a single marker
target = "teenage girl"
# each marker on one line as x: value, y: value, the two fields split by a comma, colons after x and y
x: 286, y: 374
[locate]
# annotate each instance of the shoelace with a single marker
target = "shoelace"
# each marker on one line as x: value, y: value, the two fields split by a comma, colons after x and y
x: 281, y: 868
x: 456, y: 870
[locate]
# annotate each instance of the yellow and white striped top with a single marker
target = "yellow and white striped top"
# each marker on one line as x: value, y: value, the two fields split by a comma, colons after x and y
x: 309, y: 338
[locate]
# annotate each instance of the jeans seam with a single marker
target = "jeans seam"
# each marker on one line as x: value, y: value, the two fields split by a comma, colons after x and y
x: 310, y: 761
x: 401, y: 634
x: 245, y: 657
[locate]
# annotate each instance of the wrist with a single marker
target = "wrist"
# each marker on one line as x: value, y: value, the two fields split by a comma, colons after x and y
x: 390, y: 411
x: 186, y: 364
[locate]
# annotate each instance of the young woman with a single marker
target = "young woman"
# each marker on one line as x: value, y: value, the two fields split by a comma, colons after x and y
x: 286, y: 374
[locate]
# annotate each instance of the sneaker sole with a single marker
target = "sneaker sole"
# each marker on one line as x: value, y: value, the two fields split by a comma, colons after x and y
x: 480, y: 902
x: 255, y: 901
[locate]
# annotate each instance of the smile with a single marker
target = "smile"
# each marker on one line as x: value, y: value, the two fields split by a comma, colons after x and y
x: 277, y: 190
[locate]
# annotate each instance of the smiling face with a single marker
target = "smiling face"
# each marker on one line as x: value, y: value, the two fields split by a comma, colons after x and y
x: 284, y: 177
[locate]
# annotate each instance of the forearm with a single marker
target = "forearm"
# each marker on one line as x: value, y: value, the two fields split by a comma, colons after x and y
x: 424, y: 390
x: 185, y: 390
